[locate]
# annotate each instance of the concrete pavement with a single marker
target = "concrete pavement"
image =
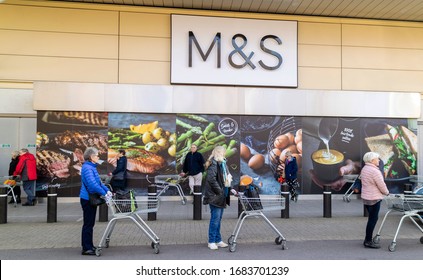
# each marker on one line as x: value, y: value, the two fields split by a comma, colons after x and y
x: 27, y: 229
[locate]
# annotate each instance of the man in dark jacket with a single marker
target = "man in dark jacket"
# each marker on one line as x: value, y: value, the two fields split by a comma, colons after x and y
x: 27, y: 169
x: 194, y: 167
x: 12, y: 167
x: 291, y: 169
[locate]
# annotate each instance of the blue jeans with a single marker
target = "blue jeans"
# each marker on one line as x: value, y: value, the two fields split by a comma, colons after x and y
x: 214, y: 226
x: 89, y: 213
x: 29, y: 188
x: 371, y: 222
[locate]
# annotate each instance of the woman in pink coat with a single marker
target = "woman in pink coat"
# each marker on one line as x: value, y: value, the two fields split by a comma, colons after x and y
x: 372, y: 192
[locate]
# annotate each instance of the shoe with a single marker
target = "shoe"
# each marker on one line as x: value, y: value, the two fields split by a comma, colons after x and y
x: 27, y: 204
x: 88, y: 253
x: 212, y: 246
x: 371, y: 244
x: 11, y: 201
x: 222, y: 244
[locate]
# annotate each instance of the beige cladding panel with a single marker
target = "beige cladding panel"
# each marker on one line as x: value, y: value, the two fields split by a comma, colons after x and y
x: 144, y: 72
x: 382, y: 58
x: 58, y: 19
x: 144, y: 48
x: 36, y: 43
x: 319, y: 33
x: 142, y: 24
x: 382, y: 80
x: 319, y: 78
x: 382, y: 36
x: 35, y: 68
x: 319, y: 56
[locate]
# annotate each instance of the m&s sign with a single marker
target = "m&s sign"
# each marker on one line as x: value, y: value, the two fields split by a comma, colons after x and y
x: 230, y: 51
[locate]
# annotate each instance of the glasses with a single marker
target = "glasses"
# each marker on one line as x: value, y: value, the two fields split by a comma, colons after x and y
x: 96, y: 155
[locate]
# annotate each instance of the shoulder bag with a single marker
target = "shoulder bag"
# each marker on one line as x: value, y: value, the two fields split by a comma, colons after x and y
x: 94, y: 198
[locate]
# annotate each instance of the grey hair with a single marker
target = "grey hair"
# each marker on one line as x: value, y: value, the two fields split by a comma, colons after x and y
x: 15, y: 154
x: 369, y: 156
x: 218, y: 153
x: 23, y: 150
x: 89, y: 152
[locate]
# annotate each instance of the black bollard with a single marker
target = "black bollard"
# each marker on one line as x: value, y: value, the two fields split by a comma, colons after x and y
x: 240, y: 207
x: 327, y: 202
x: 152, y: 195
x: 197, y: 214
x: 52, y: 204
x: 3, y: 205
x: 285, y: 194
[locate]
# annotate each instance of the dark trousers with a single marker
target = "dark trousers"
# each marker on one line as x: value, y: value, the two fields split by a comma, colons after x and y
x: 89, y: 213
x: 371, y: 222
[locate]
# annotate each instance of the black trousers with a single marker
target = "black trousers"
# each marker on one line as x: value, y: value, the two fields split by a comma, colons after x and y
x: 372, y: 220
x: 89, y: 213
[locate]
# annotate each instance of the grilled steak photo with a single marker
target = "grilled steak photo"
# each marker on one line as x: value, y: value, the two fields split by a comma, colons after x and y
x: 52, y: 164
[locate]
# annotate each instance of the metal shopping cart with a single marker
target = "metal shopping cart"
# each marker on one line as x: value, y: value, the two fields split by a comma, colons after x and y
x: 354, y: 188
x: 10, y: 184
x: 254, y: 207
x: 410, y: 206
x: 130, y: 209
x: 163, y: 182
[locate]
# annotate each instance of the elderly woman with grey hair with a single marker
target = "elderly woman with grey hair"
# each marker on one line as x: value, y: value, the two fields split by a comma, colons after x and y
x: 373, y: 189
x: 90, y: 183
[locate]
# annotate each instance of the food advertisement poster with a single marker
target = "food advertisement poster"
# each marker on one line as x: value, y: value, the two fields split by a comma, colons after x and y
x: 207, y: 132
x: 326, y: 148
x: 61, y: 140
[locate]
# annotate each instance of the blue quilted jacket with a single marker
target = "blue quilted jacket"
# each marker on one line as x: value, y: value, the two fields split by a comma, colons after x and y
x: 91, y: 180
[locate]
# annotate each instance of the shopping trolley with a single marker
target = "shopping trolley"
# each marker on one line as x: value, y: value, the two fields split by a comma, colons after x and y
x: 355, y: 187
x: 130, y: 209
x: 410, y: 206
x: 254, y: 207
x: 163, y: 182
x: 10, y: 184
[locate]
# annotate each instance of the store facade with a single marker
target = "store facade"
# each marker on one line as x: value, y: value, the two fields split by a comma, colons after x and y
x: 113, y: 72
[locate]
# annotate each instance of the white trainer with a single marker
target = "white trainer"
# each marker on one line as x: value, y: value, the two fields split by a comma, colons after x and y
x: 222, y: 244
x: 213, y: 246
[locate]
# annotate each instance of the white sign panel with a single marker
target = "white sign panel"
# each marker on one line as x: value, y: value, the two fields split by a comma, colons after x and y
x: 232, y: 51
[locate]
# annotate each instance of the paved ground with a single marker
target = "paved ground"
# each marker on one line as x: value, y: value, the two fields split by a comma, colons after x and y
x: 306, y: 231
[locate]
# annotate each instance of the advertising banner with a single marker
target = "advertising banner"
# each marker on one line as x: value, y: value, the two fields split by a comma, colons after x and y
x: 326, y: 149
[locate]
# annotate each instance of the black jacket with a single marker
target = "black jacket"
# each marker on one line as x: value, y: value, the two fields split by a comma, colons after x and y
x: 12, y: 165
x: 214, y: 193
x: 193, y: 164
x: 120, y: 167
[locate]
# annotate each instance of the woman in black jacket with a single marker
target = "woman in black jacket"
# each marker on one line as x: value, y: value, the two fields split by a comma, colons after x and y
x: 119, y: 174
x: 216, y: 194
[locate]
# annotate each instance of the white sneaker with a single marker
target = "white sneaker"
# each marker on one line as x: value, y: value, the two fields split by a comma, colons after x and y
x: 213, y: 246
x: 222, y: 244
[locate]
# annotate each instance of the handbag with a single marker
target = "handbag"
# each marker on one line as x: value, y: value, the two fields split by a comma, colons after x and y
x: 96, y: 199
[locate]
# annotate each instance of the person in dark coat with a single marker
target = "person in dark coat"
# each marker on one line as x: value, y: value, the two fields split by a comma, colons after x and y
x: 216, y: 194
x: 12, y: 167
x: 291, y: 169
x: 194, y: 167
x: 119, y: 174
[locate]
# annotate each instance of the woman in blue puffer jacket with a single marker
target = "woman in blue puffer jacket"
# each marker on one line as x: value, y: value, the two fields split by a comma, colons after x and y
x: 90, y: 183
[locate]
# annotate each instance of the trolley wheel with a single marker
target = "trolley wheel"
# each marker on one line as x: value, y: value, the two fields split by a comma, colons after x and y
x: 156, y: 248
x: 348, y: 199
x: 98, y: 252
x: 278, y: 240
x: 344, y: 199
x: 421, y: 240
x: 392, y: 246
x: 184, y: 201
x: 106, y: 244
x: 231, y: 239
x: 284, y: 247
x: 376, y: 239
x: 232, y: 247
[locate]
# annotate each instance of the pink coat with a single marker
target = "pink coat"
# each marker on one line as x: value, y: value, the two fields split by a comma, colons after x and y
x: 373, y: 186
